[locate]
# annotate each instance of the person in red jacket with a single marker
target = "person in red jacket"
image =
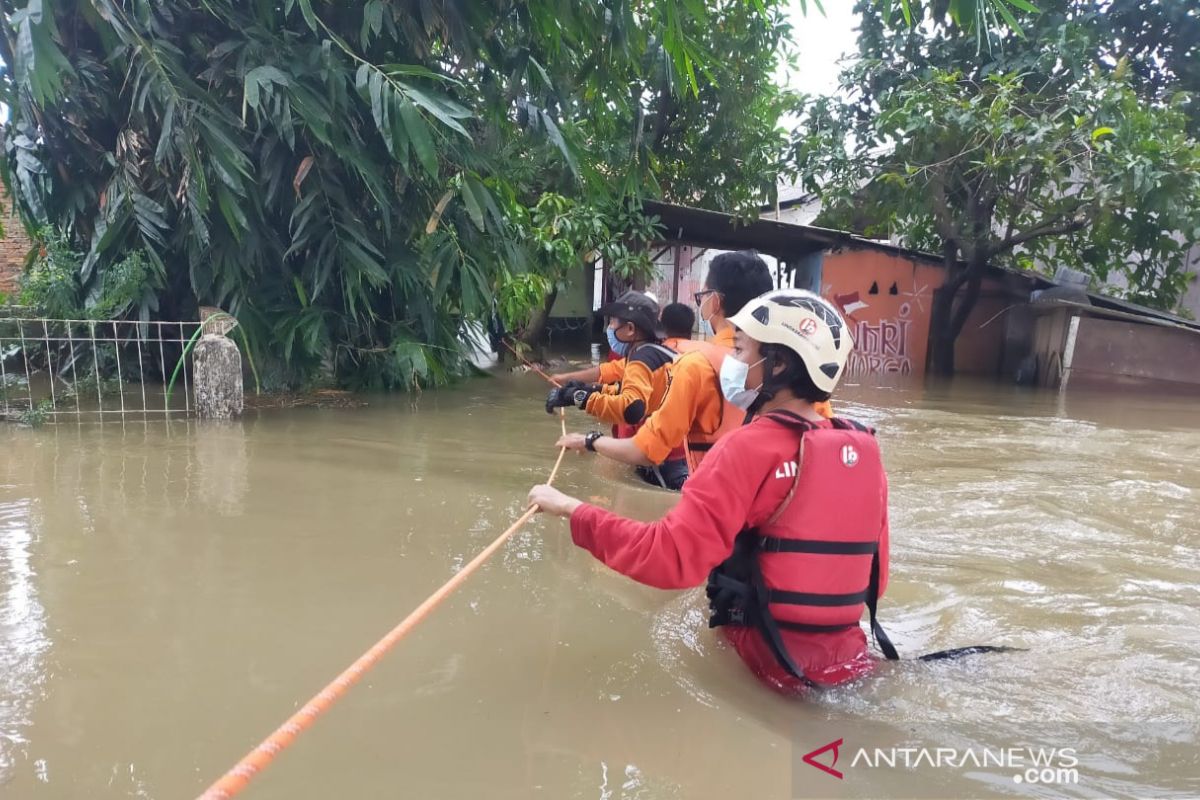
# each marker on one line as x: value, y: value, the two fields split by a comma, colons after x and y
x: 787, y: 516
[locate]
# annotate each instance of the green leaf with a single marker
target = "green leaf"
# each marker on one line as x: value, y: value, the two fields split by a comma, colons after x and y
x: 1009, y: 19
x: 1100, y: 133
x: 379, y: 103
x: 1024, y: 5
x: 365, y: 263
x: 446, y: 111
x: 300, y: 293
x: 418, y: 71
x: 232, y: 212
x: 545, y: 76
x: 441, y: 281
x: 149, y: 217
x: 420, y: 136
x: 309, y: 17
x: 372, y: 21
x: 166, y: 129
x: 472, y: 192
x: 261, y: 78
x: 556, y: 136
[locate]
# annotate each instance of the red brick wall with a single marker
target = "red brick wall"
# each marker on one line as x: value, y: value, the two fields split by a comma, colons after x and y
x: 13, y: 247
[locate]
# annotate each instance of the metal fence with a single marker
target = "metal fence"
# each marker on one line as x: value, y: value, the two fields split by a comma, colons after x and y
x: 53, y: 370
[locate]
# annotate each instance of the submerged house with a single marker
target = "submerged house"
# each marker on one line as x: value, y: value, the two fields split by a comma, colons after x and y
x: 1054, y: 338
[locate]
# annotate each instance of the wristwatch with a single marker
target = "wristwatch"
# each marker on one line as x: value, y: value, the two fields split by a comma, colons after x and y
x: 580, y: 397
x: 589, y: 441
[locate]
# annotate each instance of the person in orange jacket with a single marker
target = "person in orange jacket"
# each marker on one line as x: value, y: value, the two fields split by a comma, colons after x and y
x: 694, y: 414
x: 609, y: 371
x: 633, y: 388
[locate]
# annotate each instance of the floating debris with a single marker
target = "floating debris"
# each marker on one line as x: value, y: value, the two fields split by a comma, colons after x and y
x: 320, y: 398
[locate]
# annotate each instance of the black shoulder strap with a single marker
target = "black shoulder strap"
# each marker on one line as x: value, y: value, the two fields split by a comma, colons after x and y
x: 842, y: 423
x: 653, y: 355
x: 881, y: 638
x: 792, y: 420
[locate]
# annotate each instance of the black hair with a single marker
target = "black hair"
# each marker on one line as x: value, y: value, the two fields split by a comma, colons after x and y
x: 739, y: 278
x: 644, y: 334
x: 678, y: 320
x: 794, y: 376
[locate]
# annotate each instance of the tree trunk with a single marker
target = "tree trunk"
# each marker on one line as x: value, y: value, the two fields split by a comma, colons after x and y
x: 531, y: 335
x: 950, y: 312
x: 941, y: 342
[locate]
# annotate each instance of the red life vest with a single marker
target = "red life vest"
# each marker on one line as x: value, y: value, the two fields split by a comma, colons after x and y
x: 698, y: 443
x: 814, y: 565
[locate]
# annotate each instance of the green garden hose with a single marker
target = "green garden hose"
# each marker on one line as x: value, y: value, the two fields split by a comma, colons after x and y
x: 192, y: 343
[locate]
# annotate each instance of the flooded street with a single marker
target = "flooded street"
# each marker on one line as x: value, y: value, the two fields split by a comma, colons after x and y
x: 169, y: 593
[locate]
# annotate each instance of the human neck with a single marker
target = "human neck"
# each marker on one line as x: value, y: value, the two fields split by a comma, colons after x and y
x: 784, y: 400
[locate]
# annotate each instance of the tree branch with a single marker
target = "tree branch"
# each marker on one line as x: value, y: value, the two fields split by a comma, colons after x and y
x: 943, y: 218
x: 966, y: 303
x: 1053, y: 227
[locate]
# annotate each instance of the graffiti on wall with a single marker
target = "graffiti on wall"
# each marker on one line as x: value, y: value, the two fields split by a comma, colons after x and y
x: 882, y: 348
x: 882, y: 341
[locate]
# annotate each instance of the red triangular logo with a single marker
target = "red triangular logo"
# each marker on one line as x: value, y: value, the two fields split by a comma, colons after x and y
x: 810, y: 759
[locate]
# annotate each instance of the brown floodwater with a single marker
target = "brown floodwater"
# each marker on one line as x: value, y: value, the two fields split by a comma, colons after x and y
x: 170, y: 592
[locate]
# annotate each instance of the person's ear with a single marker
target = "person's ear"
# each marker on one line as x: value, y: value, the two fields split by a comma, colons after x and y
x: 716, y: 305
x: 778, y: 365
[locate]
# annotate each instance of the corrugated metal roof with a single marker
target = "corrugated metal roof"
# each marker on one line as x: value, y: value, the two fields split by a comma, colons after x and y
x: 787, y: 240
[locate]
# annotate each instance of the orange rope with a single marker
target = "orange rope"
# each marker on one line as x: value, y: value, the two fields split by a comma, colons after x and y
x: 258, y: 759
x: 532, y: 366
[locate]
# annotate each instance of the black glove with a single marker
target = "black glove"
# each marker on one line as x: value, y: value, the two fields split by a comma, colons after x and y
x: 562, y: 396
x: 583, y: 393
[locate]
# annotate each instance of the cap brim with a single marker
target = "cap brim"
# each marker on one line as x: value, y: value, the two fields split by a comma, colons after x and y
x: 640, y: 318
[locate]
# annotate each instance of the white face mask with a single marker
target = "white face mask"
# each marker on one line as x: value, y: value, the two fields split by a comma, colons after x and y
x: 706, y: 328
x: 733, y: 382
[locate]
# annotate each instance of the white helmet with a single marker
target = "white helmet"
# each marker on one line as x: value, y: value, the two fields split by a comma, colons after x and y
x: 805, y: 323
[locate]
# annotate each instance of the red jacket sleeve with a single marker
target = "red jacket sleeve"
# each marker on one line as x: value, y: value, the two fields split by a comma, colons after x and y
x: 678, y: 551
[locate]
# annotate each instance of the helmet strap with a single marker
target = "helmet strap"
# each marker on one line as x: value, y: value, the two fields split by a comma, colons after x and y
x: 766, y: 392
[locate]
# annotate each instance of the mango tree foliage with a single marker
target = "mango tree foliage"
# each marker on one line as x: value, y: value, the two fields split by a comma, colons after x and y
x: 989, y: 171
x: 1158, y: 41
x: 356, y: 180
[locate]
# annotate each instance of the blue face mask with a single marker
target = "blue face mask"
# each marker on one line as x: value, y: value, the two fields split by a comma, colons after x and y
x: 618, y: 347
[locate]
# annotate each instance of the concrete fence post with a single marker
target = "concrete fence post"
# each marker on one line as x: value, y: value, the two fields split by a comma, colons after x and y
x: 217, y: 382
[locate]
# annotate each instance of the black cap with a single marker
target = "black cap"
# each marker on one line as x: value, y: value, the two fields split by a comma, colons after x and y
x: 637, y: 308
